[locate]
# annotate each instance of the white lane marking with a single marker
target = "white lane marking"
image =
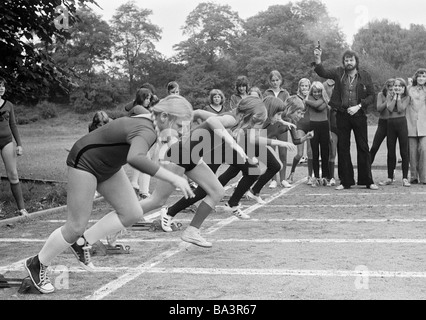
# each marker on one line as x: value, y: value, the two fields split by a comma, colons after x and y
x: 132, y: 273
x: 234, y: 240
x: 124, y: 279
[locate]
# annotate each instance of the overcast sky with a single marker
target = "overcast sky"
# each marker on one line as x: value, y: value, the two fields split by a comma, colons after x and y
x: 170, y: 15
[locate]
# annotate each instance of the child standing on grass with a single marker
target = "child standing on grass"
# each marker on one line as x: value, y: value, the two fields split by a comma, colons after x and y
x: 329, y: 87
x: 397, y: 129
x: 416, y: 120
x: 317, y: 102
x: 9, y: 135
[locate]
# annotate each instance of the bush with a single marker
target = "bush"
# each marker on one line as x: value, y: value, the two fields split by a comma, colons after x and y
x: 47, y: 110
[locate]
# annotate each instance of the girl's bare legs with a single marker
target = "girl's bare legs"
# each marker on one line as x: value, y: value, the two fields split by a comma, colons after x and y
x: 208, y: 181
x: 8, y: 154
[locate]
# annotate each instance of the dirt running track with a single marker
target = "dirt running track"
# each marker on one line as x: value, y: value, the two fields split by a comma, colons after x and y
x: 305, y: 243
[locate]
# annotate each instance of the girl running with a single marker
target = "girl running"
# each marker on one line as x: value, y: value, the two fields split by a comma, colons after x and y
x: 95, y: 163
x: 291, y: 111
x: 250, y: 113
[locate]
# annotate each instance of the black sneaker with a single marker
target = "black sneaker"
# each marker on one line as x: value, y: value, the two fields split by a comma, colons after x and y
x: 81, y: 249
x: 38, y: 275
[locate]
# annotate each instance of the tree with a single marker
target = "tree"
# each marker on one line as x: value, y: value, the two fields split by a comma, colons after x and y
x: 28, y: 69
x: 384, y: 39
x: 212, y: 31
x: 283, y: 38
x: 133, y: 35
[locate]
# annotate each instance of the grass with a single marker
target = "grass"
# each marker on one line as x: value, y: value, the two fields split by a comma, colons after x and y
x: 45, y: 143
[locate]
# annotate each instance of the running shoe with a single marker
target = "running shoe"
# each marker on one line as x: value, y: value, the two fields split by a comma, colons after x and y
x: 81, y: 249
x: 38, y: 275
x: 273, y: 184
x: 192, y: 235
x: 236, y: 211
x: 332, y: 182
x: 22, y: 212
x: 291, y: 177
x: 251, y: 195
x: 166, y: 220
x: 285, y: 184
x: 406, y: 183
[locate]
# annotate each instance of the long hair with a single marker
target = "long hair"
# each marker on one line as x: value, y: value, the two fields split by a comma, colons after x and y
x: 273, y: 106
x: 274, y: 73
x: 291, y: 105
x: 416, y: 74
x: 385, y: 88
x: 404, y: 84
x: 252, y: 111
x: 319, y: 86
x: 215, y: 92
x: 100, y: 118
x: 349, y: 54
x: 242, y: 81
x: 302, y: 81
x: 141, y: 95
x: 175, y: 106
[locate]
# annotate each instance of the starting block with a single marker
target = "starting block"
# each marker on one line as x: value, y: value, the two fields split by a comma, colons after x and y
x: 100, y: 249
x: 25, y: 285
x: 154, y: 226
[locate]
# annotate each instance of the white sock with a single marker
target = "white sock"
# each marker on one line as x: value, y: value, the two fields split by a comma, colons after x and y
x: 54, y: 246
x: 108, y: 225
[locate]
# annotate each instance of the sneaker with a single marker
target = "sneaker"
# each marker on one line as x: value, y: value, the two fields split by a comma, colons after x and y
x: 192, y: 235
x: 236, y: 211
x: 273, y: 184
x: 166, y: 220
x: 414, y: 181
x: 22, y: 212
x: 406, y: 183
x: 251, y: 195
x: 387, y: 182
x: 373, y: 187
x: 303, y: 159
x: 341, y: 187
x: 291, y: 177
x: 309, y: 181
x: 38, y: 275
x: 315, y: 182
x: 285, y: 184
x: 81, y: 250
x: 332, y: 182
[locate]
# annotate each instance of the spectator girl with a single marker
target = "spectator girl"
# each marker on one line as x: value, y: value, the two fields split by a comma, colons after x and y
x: 416, y: 120
x: 317, y: 102
x: 397, y: 129
x: 9, y: 136
x: 275, y: 81
x: 241, y: 91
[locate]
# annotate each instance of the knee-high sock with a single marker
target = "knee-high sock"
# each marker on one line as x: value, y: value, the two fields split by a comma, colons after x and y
x: 331, y: 169
x: 202, y: 213
x: 54, y: 246
x: 17, y: 194
x: 310, y: 167
x: 109, y: 224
